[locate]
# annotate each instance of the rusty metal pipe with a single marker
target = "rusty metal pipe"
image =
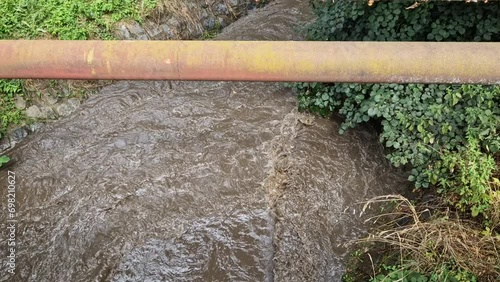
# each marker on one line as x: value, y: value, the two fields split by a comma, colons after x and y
x: 398, y: 62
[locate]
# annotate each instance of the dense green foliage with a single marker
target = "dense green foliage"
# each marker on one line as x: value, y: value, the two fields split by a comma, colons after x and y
x: 446, y: 134
x: 466, y: 173
x: 423, y: 125
x: 391, y: 21
x: 9, y: 114
x: 402, y: 271
x: 61, y: 19
x: 446, y: 273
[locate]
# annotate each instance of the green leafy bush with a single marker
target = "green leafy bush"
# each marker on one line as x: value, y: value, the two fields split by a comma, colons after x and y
x: 447, y: 134
x: 445, y: 273
x: 421, y: 124
x: 9, y: 114
x: 466, y: 173
x: 418, y: 121
x: 391, y: 21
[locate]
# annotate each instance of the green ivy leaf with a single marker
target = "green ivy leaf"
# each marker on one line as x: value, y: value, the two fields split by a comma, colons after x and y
x: 371, y: 112
x: 3, y: 160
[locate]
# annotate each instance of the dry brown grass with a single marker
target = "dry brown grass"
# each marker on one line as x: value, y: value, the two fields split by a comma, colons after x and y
x: 32, y: 86
x: 179, y: 8
x: 442, y: 239
x: 188, y: 12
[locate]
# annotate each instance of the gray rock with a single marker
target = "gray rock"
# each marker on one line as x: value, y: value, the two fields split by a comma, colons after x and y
x: 160, y: 31
x: 35, y: 126
x: 67, y: 108
x: 196, y: 33
x: 120, y: 143
x: 155, y: 33
x: 4, y: 144
x: 33, y: 112
x: 43, y: 112
x: 47, y: 112
x: 204, y: 14
x: 136, y: 31
x: 75, y: 102
x: 174, y: 23
x: 209, y: 23
x: 221, y: 9
x: 123, y: 33
x: 51, y: 99
x: 167, y: 31
x: 64, y: 109
x: 20, y: 103
x: 17, y: 135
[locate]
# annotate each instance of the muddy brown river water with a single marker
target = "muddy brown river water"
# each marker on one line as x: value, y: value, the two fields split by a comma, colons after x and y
x: 204, y: 181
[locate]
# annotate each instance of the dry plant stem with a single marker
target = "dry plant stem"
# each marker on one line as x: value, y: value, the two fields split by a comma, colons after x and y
x: 435, y: 242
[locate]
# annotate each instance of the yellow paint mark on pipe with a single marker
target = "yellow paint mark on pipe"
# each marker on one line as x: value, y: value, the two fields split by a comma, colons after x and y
x: 90, y: 56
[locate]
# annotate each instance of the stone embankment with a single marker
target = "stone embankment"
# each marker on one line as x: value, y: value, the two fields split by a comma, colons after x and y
x: 172, y: 20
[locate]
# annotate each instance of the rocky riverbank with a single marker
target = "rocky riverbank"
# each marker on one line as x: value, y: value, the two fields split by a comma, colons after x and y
x: 191, y: 19
x: 48, y: 100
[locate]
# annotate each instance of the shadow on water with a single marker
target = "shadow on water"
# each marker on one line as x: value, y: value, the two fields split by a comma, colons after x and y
x: 204, y: 181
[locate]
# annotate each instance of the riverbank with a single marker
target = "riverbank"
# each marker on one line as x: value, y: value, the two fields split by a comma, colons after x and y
x: 446, y: 136
x: 27, y: 104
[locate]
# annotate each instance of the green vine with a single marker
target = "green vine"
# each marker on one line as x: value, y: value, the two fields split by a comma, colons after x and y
x: 420, y: 122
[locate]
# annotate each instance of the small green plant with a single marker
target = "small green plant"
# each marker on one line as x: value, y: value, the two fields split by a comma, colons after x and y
x: 3, y: 160
x: 212, y: 33
x: 398, y: 273
x: 403, y: 273
x: 9, y: 113
x: 467, y: 174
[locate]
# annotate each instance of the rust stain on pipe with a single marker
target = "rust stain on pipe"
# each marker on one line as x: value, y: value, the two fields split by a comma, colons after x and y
x: 393, y: 62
